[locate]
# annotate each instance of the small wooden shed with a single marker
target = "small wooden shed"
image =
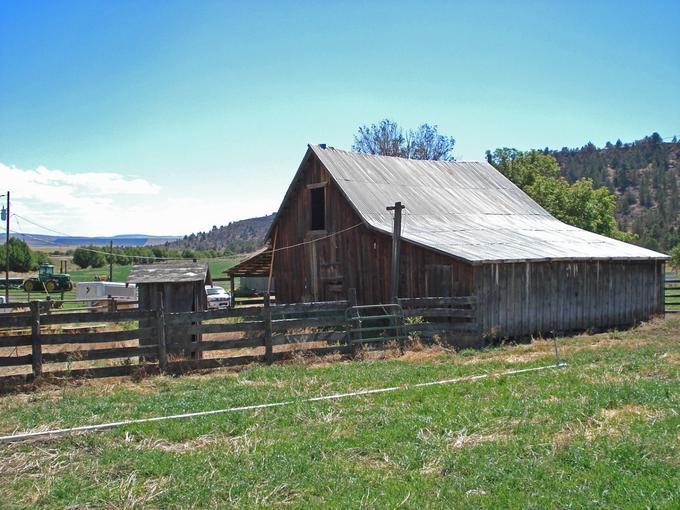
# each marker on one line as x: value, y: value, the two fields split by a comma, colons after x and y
x: 467, y: 231
x: 180, y: 284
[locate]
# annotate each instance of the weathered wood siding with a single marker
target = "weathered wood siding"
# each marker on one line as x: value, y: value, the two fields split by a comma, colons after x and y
x: 358, y: 258
x: 178, y: 297
x: 521, y: 299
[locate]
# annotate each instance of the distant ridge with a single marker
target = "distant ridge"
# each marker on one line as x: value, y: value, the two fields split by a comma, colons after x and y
x: 55, y: 241
x: 242, y: 236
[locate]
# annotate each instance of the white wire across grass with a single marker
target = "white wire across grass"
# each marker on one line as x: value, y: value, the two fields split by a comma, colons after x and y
x: 337, y: 396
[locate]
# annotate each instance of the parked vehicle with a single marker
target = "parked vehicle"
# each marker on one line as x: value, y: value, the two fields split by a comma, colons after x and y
x: 217, y: 297
x: 48, y: 280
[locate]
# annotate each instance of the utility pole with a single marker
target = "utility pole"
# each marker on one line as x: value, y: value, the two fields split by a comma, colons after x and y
x: 111, y: 261
x: 396, y: 244
x: 7, y: 253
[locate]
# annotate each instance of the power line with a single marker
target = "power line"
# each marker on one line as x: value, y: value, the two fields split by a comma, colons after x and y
x: 41, y: 226
x: 317, y: 239
x: 146, y: 257
x: 336, y: 396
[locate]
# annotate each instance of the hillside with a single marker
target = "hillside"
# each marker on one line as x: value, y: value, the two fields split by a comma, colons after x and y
x: 239, y: 236
x: 643, y: 174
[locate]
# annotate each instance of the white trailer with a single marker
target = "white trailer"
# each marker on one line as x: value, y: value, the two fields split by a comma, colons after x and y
x: 96, y: 291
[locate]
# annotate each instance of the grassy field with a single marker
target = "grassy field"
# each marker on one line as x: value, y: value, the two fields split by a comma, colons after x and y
x: 602, y: 432
x: 120, y: 274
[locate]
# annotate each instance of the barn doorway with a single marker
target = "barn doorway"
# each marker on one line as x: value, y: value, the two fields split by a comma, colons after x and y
x: 325, y: 271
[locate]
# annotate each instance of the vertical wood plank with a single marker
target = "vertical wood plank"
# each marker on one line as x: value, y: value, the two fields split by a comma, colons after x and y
x: 631, y: 279
x: 527, y: 299
x: 617, y: 297
x: 354, y: 323
x: 581, y: 296
x: 267, y: 315
x: 537, y: 290
x: 611, y: 307
x: 160, y: 332
x: 561, y: 281
x: 547, y: 282
x: 36, y: 358
x: 584, y: 278
x: 555, y: 289
x: 515, y: 308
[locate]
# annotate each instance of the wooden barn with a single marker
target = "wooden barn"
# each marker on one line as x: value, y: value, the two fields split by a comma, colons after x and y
x: 467, y: 230
x: 179, y: 284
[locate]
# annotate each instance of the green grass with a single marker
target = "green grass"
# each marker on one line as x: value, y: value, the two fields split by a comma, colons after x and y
x: 600, y: 433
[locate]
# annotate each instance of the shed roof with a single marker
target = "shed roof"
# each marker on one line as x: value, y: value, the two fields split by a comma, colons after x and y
x: 257, y: 264
x: 468, y: 210
x: 169, y: 272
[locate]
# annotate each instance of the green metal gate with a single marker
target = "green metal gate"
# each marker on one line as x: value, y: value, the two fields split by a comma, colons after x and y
x: 375, y: 323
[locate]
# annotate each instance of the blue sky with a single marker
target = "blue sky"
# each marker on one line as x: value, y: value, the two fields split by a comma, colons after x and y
x: 169, y: 117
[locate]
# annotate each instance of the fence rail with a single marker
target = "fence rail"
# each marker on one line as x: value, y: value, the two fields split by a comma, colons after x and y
x: 76, y: 343
x: 672, y: 295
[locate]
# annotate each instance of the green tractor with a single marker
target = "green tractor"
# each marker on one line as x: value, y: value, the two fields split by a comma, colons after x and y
x: 48, y: 280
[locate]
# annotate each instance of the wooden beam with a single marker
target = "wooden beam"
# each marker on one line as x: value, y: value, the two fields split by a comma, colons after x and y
x: 271, y: 264
x: 316, y: 185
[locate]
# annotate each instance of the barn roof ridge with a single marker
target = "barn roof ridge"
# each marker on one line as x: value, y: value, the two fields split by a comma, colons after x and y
x: 464, y: 209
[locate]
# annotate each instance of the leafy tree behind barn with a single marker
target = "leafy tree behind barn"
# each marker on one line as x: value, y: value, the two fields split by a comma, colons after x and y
x: 387, y: 138
x: 642, y: 176
x: 579, y: 203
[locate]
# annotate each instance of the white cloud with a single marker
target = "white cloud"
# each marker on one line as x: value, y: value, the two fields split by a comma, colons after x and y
x: 90, y: 203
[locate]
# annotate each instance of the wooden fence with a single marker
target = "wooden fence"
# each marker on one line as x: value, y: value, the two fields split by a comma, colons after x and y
x: 672, y: 295
x: 65, y: 343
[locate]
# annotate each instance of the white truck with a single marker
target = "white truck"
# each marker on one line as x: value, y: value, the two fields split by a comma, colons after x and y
x: 97, y: 291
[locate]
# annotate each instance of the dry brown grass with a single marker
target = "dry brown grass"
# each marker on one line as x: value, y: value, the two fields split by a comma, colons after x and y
x: 241, y: 444
x: 613, y: 422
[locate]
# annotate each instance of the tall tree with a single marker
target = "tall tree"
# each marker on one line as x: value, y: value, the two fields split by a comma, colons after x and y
x: 89, y: 256
x: 523, y: 168
x: 579, y: 203
x: 675, y: 257
x: 387, y: 138
x: 20, y: 259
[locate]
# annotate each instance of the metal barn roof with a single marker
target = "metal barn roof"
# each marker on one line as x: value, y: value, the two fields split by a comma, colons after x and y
x: 169, y: 272
x: 468, y: 210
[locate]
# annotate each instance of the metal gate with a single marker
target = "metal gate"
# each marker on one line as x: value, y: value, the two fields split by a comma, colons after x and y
x: 375, y: 323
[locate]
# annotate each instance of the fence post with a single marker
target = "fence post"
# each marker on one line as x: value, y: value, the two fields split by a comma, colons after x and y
x: 267, y: 316
x: 36, y: 358
x: 160, y: 326
x: 354, y: 323
x: 112, y: 305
